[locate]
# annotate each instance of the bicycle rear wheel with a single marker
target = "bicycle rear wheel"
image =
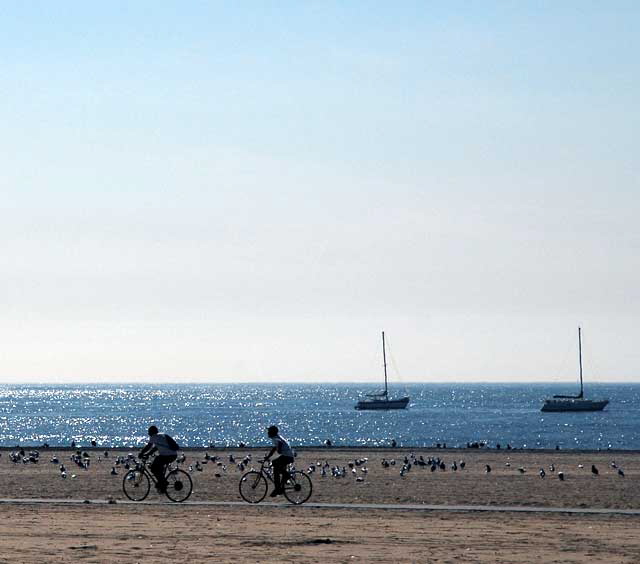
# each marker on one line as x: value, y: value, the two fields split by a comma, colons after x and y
x: 253, y: 487
x: 179, y: 485
x: 298, y: 487
x: 136, y: 484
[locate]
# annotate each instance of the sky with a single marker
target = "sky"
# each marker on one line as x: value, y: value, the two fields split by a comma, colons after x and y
x: 253, y: 191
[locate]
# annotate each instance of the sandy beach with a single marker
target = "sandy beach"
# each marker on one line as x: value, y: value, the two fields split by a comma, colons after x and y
x: 108, y: 532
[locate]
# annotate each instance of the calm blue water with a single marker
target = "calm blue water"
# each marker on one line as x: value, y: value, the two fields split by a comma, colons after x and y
x: 198, y: 415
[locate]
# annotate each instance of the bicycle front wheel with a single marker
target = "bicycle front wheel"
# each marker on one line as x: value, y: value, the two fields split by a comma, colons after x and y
x: 179, y: 485
x: 136, y: 485
x: 298, y: 488
x: 253, y: 487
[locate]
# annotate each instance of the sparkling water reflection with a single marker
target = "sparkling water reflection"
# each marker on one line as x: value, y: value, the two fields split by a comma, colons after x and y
x: 199, y: 415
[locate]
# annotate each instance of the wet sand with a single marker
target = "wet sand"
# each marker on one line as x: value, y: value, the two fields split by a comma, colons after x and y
x: 104, y: 533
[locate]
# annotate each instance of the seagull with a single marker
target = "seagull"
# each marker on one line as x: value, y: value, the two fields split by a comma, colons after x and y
x: 487, y: 468
x: 114, y: 472
x: 561, y: 476
x: 462, y: 464
x: 613, y: 464
x: 580, y: 466
x: 552, y: 468
x: 620, y: 473
x: 521, y: 470
x: 594, y: 470
x: 542, y: 473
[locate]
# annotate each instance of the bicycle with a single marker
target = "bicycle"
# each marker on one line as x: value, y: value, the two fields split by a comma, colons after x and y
x: 136, y: 483
x: 253, y: 485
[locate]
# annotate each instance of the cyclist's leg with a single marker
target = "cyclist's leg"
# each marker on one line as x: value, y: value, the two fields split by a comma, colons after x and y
x: 157, y: 469
x: 280, y: 473
x: 277, y: 475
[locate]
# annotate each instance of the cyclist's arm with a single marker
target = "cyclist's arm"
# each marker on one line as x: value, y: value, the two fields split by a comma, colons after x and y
x: 268, y: 456
x: 150, y: 448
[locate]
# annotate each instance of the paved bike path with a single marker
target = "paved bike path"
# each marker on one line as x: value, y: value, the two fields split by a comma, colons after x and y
x: 358, y: 506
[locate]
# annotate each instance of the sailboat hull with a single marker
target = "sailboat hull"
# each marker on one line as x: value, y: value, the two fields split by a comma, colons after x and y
x: 400, y: 403
x: 575, y: 404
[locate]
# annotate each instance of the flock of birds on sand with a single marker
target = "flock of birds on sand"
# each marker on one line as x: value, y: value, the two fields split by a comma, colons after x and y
x: 357, y: 468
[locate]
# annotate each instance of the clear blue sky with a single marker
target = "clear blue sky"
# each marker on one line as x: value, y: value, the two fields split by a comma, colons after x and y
x: 254, y: 190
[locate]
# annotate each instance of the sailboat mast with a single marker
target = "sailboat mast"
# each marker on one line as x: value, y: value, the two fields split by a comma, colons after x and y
x: 580, y: 357
x: 384, y: 360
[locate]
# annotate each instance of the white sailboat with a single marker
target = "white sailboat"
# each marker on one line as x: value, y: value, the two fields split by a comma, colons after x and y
x: 575, y: 403
x: 380, y: 400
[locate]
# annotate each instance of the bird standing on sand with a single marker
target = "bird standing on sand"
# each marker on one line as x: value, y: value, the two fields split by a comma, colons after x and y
x: 561, y: 476
x: 542, y: 473
x: 620, y: 473
x: 487, y: 468
x: 594, y: 470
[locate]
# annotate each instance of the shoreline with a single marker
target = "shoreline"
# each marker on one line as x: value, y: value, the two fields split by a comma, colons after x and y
x: 339, y: 448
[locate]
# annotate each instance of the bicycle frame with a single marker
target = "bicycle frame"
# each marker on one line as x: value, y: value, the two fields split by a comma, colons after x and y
x: 267, y: 471
x: 142, y: 464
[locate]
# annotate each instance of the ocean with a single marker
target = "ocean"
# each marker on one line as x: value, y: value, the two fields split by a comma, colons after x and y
x: 199, y: 415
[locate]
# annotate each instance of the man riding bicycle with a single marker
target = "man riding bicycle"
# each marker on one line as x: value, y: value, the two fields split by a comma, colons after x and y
x: 281, y: 446
x: 167, y: 452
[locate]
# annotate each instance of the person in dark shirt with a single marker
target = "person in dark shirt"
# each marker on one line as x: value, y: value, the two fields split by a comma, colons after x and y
x: 167, y: 452
x: 281, y: 446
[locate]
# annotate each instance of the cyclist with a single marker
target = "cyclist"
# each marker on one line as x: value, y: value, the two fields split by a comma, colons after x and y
x: 281, y: 446
x: 167, y: 452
